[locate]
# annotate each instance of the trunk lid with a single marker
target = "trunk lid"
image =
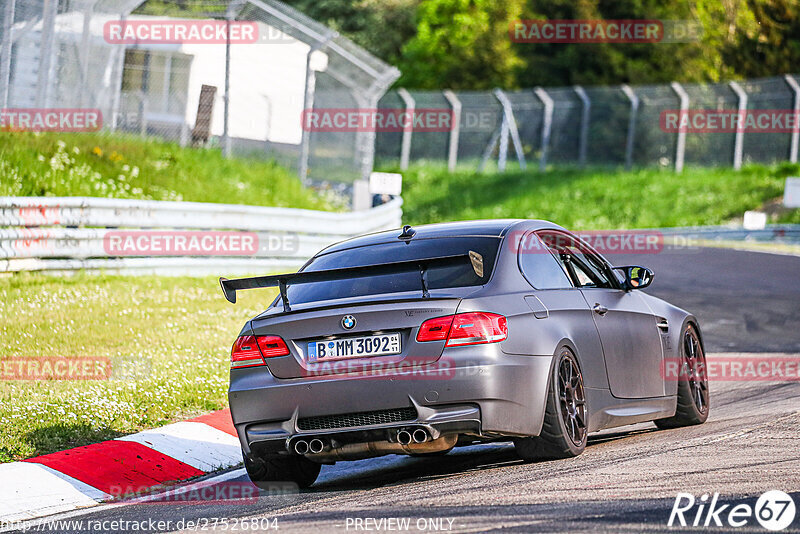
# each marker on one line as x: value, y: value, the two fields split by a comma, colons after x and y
x: 401, y: 313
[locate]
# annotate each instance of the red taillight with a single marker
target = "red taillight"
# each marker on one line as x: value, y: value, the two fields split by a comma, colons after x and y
x: 245, y: 353
x: 250, y: 351
x: 272, y: 346
x: 477, y: 327
x: 470, y: 328
x: 435, y: 329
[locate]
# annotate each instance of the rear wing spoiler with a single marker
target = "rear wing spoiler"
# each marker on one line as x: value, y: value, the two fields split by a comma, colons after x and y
x: 283, y: 281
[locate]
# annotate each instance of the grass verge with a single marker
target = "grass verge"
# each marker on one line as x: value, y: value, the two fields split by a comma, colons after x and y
x: 594, y: 199
x: 168, y: 340
x: 126, y: 166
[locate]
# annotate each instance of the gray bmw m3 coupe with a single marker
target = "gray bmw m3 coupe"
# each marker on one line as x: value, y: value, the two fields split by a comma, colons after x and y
x: 419, y: 340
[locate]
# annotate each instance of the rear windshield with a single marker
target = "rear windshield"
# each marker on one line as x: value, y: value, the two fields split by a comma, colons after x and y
x: 438, y: 278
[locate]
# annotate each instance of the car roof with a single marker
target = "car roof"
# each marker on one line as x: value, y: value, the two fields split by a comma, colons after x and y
x: 482, y: 228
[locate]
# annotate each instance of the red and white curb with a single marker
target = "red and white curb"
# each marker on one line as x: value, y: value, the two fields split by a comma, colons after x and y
x: 86, y: 476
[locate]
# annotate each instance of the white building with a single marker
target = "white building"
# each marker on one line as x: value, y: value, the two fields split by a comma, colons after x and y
x: 163, y: 81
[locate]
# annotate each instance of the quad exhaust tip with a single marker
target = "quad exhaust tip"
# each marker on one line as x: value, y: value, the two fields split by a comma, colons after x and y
x: 419, y: 435
x: 404, y: 437
x: 313, y: 446
x: 301, y: 446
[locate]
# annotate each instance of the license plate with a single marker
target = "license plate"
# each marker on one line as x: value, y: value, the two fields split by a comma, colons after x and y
x: 354, y: 347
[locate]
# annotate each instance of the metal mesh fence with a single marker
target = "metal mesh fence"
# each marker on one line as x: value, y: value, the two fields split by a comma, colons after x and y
x: 53, y: 55
x: 565, y: 134
x: 703, y: 149
x: 246, y: 96
x: 651, y: 144
x: 481, y: 115
x: 253, y: 97
x: 609, y: 116
x: 388, y: 145
x: 528, y: 113
x: 429, y: 145
x: 615, y: 126
x: 769, y: 93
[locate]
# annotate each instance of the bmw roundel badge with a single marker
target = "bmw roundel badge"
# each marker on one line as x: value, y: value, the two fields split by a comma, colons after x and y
x: 348, y: 322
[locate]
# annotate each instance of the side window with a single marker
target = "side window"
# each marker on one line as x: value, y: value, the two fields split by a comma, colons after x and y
x: 584, y: 268
x: 584, y: 279
x: 539, y: 266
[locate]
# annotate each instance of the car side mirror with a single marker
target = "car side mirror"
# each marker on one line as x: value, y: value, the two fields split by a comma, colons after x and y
x: 636, y: 277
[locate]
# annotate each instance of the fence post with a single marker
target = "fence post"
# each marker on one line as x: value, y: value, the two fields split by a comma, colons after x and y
x: 452, y: 150
x: 231, y: 13
x: 5, y: 53
x: 502, y: 150
x: 308, y: 105
x: 83, y: 54
x: 116, y: 100
x: 365, y: 141
x: 738, y: 141
x: 487, y: 152
x: 509, y: 127
x: 796, y: 130
x: 631, y: 124
x: 680, y: 148
x: 49, y: 12
x: 547, y: 124
x: 143, y: 113
x: 226, y: 133
x: 585, y: 117
x: 405, y: 144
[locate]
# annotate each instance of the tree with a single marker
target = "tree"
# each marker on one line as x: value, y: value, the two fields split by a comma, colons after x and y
x: 770, y: 44
x: 461, y: 44
x: 464, y: 44
x: 614, y: 63
x: 380, y: 26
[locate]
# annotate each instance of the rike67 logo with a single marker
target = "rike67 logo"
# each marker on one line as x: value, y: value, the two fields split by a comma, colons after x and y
x: 774, y: 510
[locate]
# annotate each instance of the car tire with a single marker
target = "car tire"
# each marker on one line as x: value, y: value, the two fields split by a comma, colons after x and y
x: 265, y: 472
x: 565, y: 426
x: 693, y: 394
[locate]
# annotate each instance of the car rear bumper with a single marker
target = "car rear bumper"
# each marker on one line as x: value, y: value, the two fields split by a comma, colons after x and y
x: 476, y: 390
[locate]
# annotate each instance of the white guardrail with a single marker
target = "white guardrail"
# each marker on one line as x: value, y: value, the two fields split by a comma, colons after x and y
x: 71, y: 233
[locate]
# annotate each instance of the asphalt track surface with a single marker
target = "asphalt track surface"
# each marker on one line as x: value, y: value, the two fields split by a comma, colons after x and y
x: 626, y: 480
x: 745, y: 301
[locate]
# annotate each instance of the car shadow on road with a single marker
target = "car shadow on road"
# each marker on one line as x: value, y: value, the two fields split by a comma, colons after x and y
x: 614, y: 435
x: 376, y: 472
